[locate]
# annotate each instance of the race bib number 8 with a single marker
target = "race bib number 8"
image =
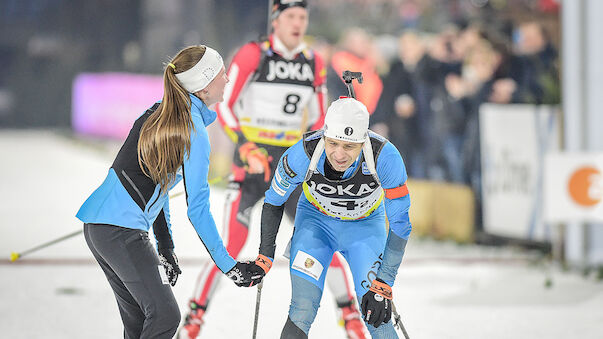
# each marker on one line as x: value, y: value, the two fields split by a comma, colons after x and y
x: 291, y: 102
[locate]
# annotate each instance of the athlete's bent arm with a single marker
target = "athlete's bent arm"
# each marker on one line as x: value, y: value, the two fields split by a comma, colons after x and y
x: 392, y: 172
x: 288, y: 175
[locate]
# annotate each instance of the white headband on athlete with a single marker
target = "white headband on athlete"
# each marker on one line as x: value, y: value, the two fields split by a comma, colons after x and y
x: 199, y: 76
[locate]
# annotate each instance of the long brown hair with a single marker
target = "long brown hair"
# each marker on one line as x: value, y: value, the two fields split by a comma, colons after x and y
x: 165, y: 135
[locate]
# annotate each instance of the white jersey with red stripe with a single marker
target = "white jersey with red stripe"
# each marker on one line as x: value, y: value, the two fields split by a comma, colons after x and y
x: 274, y: 94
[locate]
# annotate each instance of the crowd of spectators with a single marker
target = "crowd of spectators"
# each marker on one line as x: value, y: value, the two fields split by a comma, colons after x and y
x: 431, y: 95
x: 427, y: 102
x: 426, y: 99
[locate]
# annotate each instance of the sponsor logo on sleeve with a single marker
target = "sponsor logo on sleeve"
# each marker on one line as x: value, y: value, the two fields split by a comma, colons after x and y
x: 307, y: 264
x: 277, y: 189
x: 286, y: 167
x: 281, y: 181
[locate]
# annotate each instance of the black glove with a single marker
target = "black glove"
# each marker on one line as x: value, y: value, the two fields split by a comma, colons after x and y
x: 377, y: 303
x: 168, y: 259
x: 246, y: 274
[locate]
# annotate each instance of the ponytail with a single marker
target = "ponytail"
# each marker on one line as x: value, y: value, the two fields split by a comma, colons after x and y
x: 165, y: 137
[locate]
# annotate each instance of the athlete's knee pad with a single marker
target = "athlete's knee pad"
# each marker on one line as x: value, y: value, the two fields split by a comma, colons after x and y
x: 305, y: 300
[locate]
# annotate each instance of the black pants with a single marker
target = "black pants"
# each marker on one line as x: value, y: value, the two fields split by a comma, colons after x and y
x: 146, y: 303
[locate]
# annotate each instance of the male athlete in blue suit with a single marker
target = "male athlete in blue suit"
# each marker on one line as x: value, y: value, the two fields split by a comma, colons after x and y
x: 351, y: 178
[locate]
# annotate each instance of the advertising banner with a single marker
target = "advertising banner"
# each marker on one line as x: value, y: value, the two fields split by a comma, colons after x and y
x: 573, y: 187
x: 107, y: 104
x: 514, y: 140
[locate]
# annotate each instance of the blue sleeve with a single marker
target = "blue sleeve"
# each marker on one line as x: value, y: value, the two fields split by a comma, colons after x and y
x: 289, y: 173
x: 392, y: 258
x: 392, y: 173
x: 194, y: 171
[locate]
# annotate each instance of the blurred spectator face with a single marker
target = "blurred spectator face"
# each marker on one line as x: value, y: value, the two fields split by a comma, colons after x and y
x: 290, y: 26
x: 404, y: 106
x: 471, y: 36
x: 468, y: 39
x: 479, y: 67
x: 502, y: 91
x: 481, y: 64
x: 323, y: 48
x: 411, y: 49
x: 358, y: 42
x: 443, y: 48
x: 530, y: 39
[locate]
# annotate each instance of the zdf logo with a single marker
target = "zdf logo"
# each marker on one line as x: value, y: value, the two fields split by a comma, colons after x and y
x: 585, y: 186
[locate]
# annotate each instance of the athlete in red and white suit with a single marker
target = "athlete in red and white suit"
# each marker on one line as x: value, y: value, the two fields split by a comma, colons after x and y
x: 277, y: 91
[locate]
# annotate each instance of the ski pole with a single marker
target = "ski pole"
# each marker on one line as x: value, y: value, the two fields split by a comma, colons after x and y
x: 14, y: 256
x: 398, y: 321
x: 257, y: 309
x: 269, y: 21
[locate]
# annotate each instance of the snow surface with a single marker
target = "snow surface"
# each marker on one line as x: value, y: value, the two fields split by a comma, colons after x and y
x: 443, y: 290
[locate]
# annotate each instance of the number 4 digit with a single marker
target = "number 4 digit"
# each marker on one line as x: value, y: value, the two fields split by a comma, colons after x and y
x: 348, y: 204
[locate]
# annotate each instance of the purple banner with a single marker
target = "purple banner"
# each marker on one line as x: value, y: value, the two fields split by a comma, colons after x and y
x: 107, y: 104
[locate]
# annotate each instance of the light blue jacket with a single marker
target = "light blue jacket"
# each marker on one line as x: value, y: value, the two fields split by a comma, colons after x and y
x: 113, y: 204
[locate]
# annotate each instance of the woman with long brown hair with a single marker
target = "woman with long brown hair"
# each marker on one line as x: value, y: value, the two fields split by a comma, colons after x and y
x: 167, y: 143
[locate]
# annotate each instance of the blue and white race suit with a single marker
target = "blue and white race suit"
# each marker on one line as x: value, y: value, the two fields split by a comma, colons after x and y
x: 345, y: 215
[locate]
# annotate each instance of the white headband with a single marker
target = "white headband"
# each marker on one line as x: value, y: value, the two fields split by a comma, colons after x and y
x: 200, y: 75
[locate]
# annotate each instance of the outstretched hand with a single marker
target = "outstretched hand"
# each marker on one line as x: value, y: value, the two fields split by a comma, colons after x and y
x: 246, y: 274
